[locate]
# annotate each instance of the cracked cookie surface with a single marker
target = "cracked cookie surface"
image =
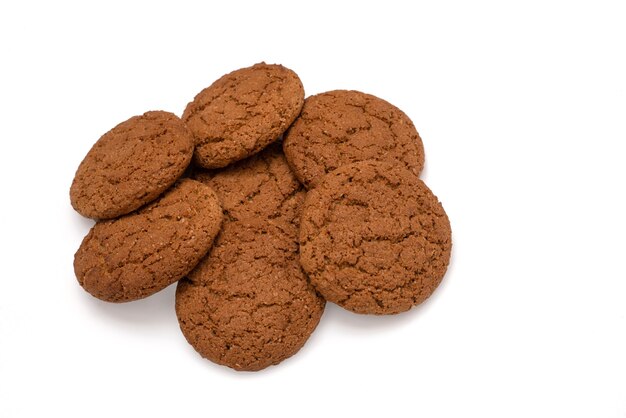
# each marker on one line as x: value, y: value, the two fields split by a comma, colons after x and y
x: 262, y: 186
x: 374, y: 239
x: 242, y: 112
x: 248, y: 304
x: 345, y: 126
x: 131, y: 165
x: 136, y: 255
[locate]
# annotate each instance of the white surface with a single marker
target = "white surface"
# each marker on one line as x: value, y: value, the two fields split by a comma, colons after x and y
x: 522, y: 110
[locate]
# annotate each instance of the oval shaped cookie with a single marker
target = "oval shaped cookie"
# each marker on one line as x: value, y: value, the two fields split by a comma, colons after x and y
x: 374, y: 239
x: 242, y: 112
x: 342, y: 127
x: 248, y: 305
x: 139, y: 254
x: 131, y: 165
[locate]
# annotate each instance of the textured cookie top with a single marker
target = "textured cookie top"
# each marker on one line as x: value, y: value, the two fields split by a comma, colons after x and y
x: 248, y: 305
x: 131, y: 165
x: 242, y: 112
x: 259, y: 187
x: 341, y: 127
x: 373, y: 238
x: 141, y: 253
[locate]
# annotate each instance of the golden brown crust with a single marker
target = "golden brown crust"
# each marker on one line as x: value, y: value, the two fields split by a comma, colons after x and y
x: 131, y: 165
x: 374, y: 239
x: 134, y: 256
x: 243, y: 112
x: 342, y: 127
x: 248, y: 304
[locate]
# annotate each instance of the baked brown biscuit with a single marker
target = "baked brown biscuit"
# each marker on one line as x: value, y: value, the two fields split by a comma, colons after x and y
x: 341, y: 127
x: 373, y: 238
x: 139, y: 254
x: 262, y: 187
x: 242, y: 112
x: 248, y: 305
x: 131, y: 165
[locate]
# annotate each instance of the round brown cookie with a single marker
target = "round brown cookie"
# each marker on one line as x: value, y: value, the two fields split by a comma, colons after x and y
x: 248, y: 305
x: 262, y: 186
x: 131, y: 165
x: 373, y: 238
x: 141, y: 253
x: 242, y: 112
x: 341, y: 127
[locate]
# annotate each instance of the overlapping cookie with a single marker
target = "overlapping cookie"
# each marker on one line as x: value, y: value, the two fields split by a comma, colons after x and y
x: 255, y: 255
x: 242, y: 112
x: 137, y: 255
x: 344, y: 126
x: 374, y: 239
x: 131, y: 165
x: 248, y: 304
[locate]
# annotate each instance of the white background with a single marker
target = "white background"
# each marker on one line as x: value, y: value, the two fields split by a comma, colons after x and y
x: 522, y: 109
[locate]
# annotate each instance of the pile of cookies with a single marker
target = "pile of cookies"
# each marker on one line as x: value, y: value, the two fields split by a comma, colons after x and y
x: 262, y: 206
